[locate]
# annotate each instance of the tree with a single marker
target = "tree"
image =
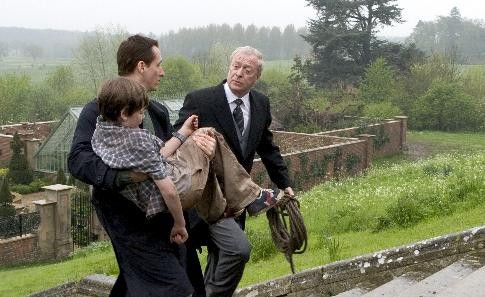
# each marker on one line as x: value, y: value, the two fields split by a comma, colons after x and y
x: 33, y: 51
x: 61, y: 177
x: 14, y: 96
x: 3, y: 50
x: 452, y: 36
x: 6, y: 198
x: 61, y: 79
x: 18, y: 168
x: 96, y: 55
x: 379, y: 83
x: 343, y: 37
x: 182, y: 77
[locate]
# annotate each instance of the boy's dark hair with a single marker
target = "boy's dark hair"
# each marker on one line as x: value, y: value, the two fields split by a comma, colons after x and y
x: 118, y: 94
x: 133, y: 50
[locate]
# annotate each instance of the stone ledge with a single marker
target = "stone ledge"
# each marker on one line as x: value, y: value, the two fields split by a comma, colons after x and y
x: 355, y: 268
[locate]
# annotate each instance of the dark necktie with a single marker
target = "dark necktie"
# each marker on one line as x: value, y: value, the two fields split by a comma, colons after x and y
x: 238, y: 115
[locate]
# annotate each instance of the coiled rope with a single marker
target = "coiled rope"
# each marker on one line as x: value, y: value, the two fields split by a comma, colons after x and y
x: 288, y: 241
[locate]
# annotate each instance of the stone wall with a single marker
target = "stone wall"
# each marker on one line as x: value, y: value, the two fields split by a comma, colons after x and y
x: 20, y: 249
x: 334, y: 278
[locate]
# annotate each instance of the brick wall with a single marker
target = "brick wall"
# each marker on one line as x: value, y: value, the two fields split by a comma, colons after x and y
x: 5, y: 150
x: 314, y: 158
x: 333, y: 157
x: 390, y: 136
x: 17, y: 250
x: 32, y: 133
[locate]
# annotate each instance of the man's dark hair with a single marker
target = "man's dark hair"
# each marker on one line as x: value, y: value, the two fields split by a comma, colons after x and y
x: 118, y: 94
x: 133, y: 50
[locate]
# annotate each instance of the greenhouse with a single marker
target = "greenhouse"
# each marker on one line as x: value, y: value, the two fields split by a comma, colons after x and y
x: 52, y: 154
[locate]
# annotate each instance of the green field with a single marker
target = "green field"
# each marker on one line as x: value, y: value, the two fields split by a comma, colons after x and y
x: 443, y: 186
x: 35, y: 69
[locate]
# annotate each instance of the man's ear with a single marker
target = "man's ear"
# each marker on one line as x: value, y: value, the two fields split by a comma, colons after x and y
x: 140, y: 66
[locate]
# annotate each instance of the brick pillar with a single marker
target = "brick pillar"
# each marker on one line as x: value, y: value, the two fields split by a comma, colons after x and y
x: 47, y: 228
x: 369, y: 149
x: 404, y: 130
x: 63, y: 241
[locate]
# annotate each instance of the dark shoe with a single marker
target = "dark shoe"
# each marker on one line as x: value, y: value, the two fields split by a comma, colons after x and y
x: 267, y: 199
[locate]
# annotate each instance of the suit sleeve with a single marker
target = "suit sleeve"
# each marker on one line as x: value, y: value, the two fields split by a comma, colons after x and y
x: 271, y: 156
x: 83, y: 163
x: 189, y: 108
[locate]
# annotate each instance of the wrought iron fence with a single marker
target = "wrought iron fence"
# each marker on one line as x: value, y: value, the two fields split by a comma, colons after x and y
x: 19, y: 225
x: 81, y: 218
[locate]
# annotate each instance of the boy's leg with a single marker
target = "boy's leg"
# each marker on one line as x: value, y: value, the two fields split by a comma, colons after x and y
x: 203, y: 191
x: 238, y: 187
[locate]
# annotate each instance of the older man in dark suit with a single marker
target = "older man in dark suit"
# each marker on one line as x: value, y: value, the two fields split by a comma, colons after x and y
x: 243, y: 116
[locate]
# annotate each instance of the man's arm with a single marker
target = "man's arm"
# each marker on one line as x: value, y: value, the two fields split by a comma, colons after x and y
x: 83, y: 163
x: 271, y: 156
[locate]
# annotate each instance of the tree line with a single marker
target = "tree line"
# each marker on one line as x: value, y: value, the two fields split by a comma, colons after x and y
x: 452, y: 35
x: 274, y: 43
x: 349, y: 71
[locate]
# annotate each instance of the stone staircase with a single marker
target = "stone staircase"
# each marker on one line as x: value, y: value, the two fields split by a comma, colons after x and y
x: 451, y: 265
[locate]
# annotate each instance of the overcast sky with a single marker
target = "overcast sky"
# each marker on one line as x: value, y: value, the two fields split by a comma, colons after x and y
x: 157, y: 16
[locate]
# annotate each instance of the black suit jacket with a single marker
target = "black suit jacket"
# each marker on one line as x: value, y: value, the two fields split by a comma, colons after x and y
x: 211, y: 106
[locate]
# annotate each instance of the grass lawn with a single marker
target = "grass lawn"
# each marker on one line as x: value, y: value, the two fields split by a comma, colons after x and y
x: 344, y: 211
x: 37, y: 69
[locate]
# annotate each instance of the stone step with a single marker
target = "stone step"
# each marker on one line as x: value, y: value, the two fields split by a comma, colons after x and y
x: 355, y: 292
x: 96, y: 285
x: 395, y: 286
x: 440, y: 280
x: 471, y: 286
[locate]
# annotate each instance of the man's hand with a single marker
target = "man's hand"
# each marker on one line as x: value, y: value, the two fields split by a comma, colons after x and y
x: 126, y: 177
x: 289, y: 191
x: 204, y: 138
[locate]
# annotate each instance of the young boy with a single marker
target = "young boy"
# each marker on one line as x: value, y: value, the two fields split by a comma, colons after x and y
x: 185, y: 176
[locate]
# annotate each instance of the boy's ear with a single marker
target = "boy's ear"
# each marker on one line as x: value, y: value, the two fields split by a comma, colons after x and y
x: 123, y: 114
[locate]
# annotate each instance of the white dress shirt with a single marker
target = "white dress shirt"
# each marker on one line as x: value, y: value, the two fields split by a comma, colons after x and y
x: 245, y: 107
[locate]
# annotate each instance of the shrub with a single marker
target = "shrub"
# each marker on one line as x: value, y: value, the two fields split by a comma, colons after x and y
x: 379, y: 84
x: 33, y: 187
x: 61, y: 177
x: 383, y: 110
x: 405, y: 212
x: 446, y: 107
x: 6, y: 198
x: 18, y: 168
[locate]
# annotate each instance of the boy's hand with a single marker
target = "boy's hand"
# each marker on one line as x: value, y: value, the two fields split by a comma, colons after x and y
x: 178, y: 234
x: 190, y: 125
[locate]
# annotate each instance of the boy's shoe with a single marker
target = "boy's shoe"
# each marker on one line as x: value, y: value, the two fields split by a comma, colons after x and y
x: 267, y: 199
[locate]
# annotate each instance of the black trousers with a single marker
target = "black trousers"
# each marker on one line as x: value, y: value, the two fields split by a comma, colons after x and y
x: 150, y: 266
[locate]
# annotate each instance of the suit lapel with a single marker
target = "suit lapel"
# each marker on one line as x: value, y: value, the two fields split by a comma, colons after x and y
x: 223, y: 116
x: 257, y: 123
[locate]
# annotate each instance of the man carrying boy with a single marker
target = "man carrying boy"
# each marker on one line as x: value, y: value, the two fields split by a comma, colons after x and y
x: 181, y: 173
x: 149, y: 264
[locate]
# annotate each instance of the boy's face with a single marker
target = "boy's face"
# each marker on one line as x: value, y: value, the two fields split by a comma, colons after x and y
x: 134, y: 120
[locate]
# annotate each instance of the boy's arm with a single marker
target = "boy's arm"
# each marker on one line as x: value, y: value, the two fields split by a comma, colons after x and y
x: 189, y: 126
x: 170, y: 196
